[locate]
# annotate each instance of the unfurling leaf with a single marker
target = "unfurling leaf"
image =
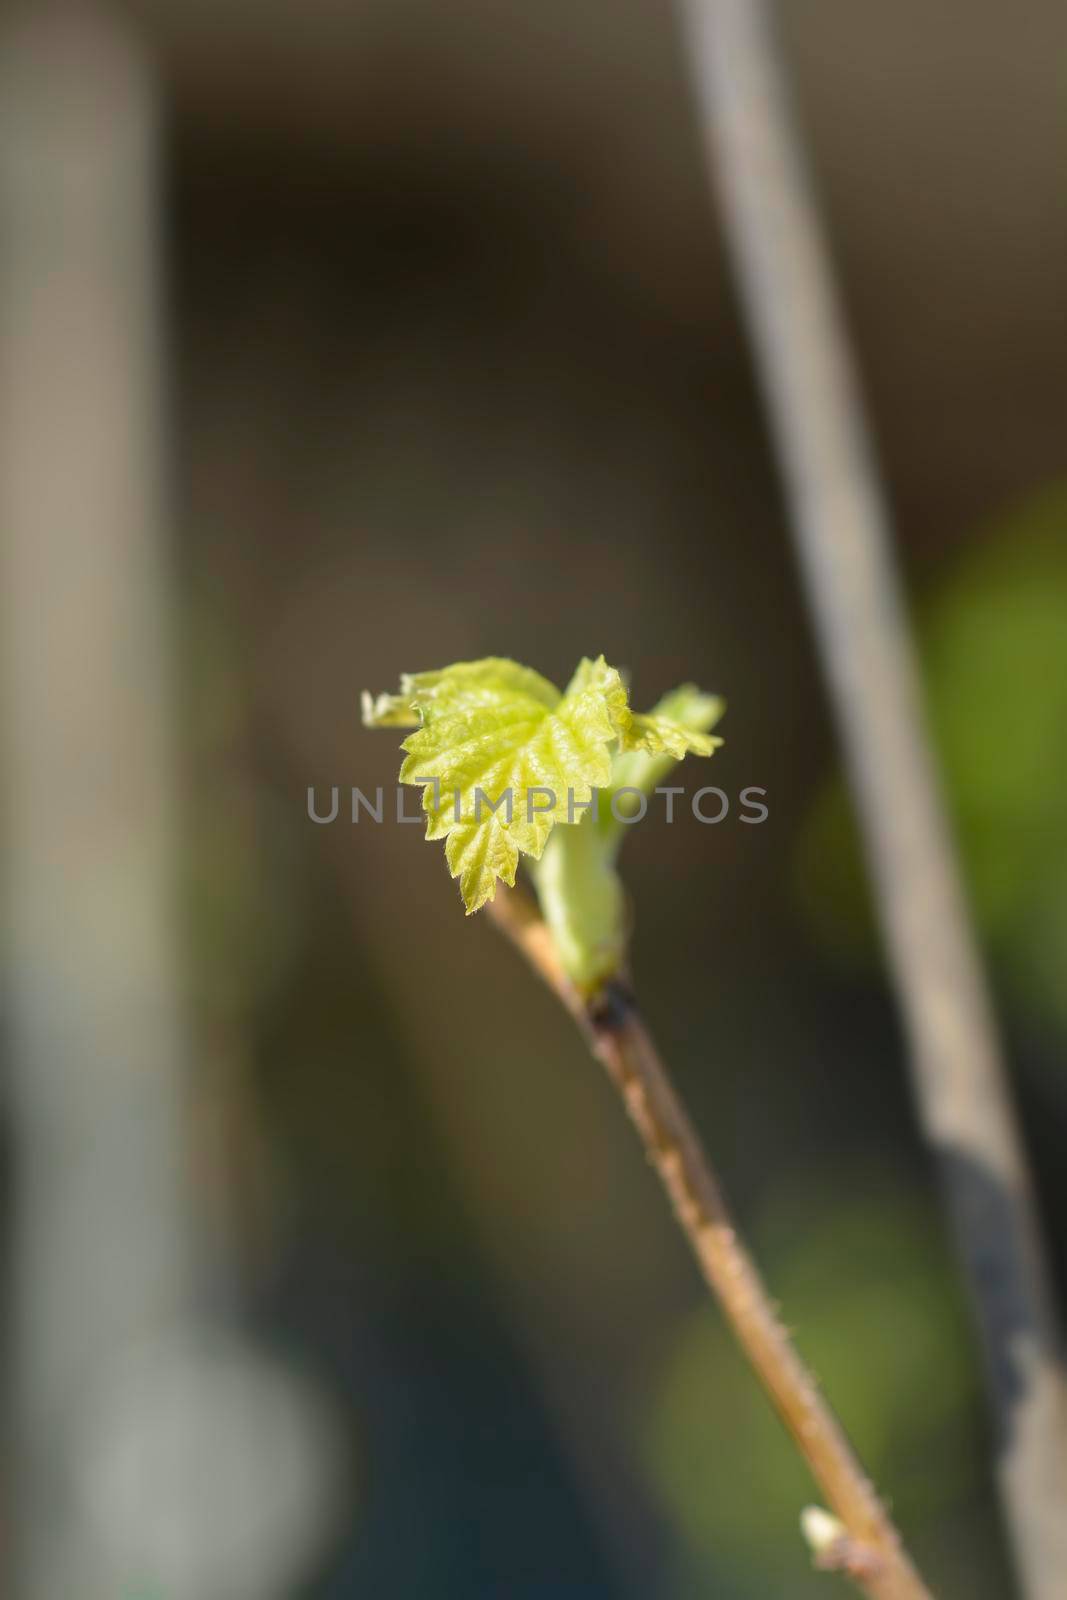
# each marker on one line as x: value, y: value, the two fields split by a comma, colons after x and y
x: 657, y: 735
x: 503, y: 757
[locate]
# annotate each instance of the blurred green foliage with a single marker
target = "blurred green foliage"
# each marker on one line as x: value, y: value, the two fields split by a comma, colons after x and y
x: 993, y: 643
x: 869, y: 1292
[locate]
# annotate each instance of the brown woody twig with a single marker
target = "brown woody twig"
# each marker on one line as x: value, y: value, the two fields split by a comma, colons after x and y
x: 614, y: 1031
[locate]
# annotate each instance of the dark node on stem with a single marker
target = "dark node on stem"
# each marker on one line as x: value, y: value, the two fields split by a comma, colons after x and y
x: 610, y: 1008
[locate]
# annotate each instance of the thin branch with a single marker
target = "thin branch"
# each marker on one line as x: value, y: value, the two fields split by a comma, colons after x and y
x: 843, y: 538
x: 870, y: 1550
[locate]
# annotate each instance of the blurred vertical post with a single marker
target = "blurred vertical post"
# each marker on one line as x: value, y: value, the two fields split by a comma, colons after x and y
x: 101, y: 1251
x: 844, y: 543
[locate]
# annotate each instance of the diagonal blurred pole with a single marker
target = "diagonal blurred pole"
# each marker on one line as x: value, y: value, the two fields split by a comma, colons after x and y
x: 844, y: 545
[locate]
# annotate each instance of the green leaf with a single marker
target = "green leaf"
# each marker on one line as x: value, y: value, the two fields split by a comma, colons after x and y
x: 503, y: 758
x: 678, y: 724
x: 659, y: 736
x: 389, y: 711
x: 464, y: 686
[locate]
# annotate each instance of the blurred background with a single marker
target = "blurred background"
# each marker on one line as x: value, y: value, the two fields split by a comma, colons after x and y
x: 343, y: 340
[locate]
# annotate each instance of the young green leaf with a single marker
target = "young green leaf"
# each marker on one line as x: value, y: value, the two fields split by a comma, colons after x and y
x: 658, y: 735
x: 677, y: 724
x: 503, y: 757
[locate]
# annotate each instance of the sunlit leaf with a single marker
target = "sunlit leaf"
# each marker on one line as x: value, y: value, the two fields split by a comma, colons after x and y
x: 678, y: 724
x: 658, y: 735
x: 503, y: 757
